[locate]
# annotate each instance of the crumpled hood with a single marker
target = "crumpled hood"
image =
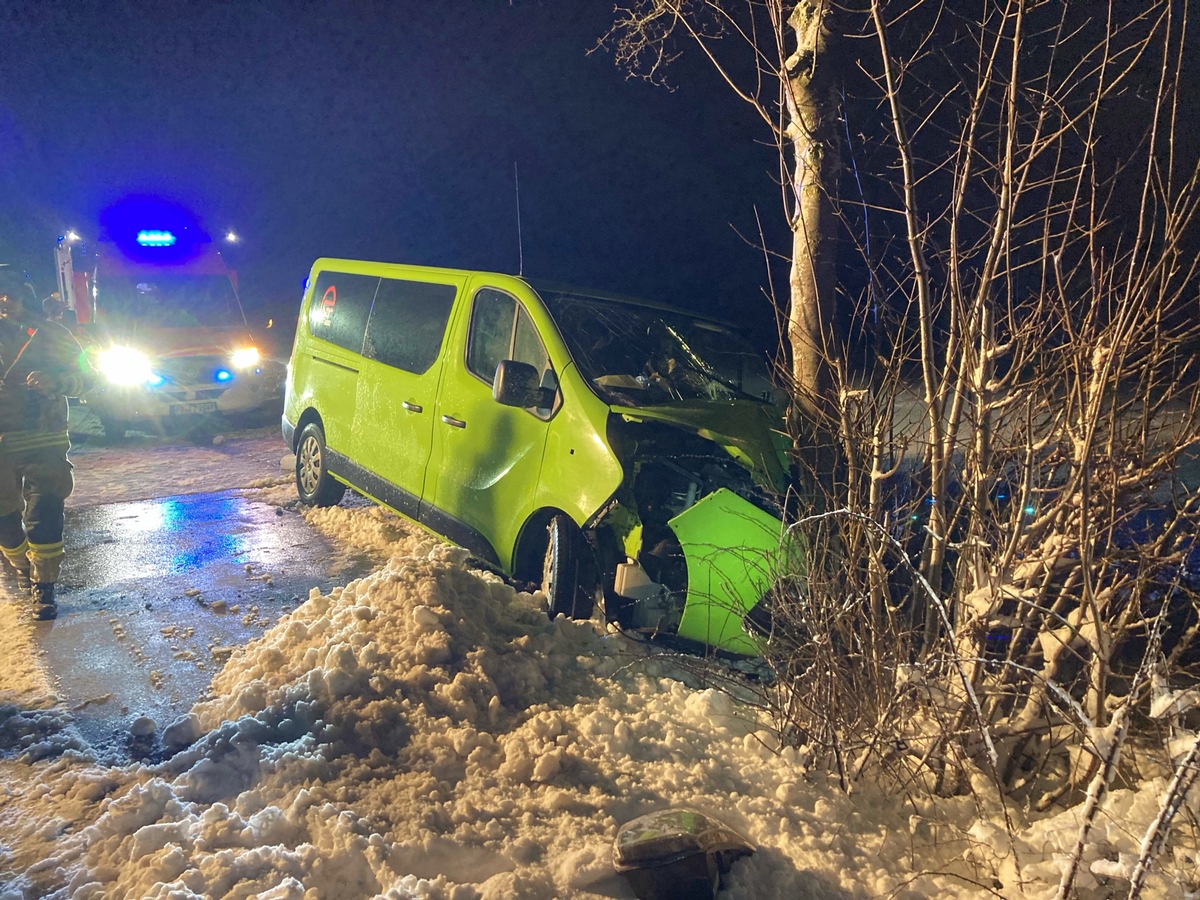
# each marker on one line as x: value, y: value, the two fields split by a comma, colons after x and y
x: 753, y: 432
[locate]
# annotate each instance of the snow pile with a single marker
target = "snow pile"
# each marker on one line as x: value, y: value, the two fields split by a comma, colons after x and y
x: 427, y: 731
x: 422, y: 729
x: 1113, y: 848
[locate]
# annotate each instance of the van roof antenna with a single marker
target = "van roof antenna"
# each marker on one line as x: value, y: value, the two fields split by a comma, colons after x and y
x: 520, y: 245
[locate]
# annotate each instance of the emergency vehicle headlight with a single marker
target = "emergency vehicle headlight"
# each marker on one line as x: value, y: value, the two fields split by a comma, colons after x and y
x: 244, y: 357
x: 125, y: 366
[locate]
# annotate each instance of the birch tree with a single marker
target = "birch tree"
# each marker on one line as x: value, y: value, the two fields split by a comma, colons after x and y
x: 776, y: 57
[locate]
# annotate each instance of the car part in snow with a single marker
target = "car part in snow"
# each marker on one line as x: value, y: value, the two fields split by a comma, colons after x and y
x: 654, y: 609
x: 735, y: 552
x: 677, y: 853
x: 314, y: 484
x: 730, y: 554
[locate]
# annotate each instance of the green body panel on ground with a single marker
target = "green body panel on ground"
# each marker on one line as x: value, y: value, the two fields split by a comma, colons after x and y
x: 733, y: 558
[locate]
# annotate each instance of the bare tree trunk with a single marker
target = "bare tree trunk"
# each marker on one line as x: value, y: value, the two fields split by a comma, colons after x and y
x: 795, y: 87
x: 811, y: 103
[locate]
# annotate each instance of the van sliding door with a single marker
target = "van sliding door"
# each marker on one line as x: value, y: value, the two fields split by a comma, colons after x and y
x: 397, y: 388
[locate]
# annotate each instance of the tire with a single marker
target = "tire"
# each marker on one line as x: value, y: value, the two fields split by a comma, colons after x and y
x: 114, y: 429
x: 314, y: 484
x: 567, y: 579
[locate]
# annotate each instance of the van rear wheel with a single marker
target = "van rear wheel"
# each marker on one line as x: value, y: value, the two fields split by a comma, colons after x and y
x: 314, y: 484
x: 567, y: 577
x: 114, y: 429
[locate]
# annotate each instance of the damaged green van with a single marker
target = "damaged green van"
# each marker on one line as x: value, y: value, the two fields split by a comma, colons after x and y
x: 611, y: 451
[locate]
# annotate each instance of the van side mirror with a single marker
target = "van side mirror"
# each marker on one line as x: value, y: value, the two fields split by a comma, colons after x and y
x: 519, y: 384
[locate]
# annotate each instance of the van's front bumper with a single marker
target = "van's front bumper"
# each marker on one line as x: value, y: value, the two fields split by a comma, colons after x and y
x: 735, y: 552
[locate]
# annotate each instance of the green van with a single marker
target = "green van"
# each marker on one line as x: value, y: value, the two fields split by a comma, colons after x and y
x: 600, y: 447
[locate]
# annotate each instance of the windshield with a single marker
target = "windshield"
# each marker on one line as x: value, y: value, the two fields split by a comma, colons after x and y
x: 169, y: 300
x: 638, y: 356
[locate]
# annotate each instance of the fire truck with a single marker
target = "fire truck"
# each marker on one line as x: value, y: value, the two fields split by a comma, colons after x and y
x: 157, y: 308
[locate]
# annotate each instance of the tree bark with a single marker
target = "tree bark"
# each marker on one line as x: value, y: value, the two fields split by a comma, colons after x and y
x: 812, y: 106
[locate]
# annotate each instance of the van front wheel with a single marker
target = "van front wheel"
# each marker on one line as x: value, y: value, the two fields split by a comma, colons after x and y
x: 567, y: 579
x: 314, y: 484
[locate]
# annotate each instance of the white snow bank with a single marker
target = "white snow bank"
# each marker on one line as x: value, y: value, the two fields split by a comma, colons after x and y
x: 426, y: 731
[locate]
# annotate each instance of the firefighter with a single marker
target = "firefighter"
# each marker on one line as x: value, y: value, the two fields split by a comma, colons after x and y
x: 53, y: 307
x: 41, y: 364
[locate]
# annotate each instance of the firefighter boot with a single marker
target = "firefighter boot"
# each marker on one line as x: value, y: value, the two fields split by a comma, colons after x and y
x: 46, y: 561
x: 44, y: 606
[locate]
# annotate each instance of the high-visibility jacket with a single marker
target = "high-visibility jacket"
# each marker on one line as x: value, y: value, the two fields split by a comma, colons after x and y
x: 29, y: 419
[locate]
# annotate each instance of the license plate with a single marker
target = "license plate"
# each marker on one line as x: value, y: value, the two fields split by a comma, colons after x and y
x: 188, y: 409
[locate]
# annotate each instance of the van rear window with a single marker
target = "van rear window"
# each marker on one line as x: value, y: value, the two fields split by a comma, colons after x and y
x: 408, y: 322
x: 339, y: 308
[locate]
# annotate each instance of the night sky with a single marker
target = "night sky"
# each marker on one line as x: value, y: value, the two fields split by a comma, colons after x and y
x: 389, y: 131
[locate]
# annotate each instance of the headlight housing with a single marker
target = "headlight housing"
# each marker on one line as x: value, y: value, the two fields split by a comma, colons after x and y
x: 125, y: 366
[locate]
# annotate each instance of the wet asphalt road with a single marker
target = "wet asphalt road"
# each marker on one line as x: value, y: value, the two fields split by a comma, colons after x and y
x: 157, y: 593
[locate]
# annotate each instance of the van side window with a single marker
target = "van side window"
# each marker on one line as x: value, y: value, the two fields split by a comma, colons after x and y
x: 339, y: 308
x: 408, y: 323
x: 527, y: 345
x: 491, y: 332
x: 502, y: 329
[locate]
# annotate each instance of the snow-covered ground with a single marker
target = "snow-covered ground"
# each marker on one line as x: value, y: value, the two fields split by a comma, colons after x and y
x: 426, y: 731
x: 142, y: 467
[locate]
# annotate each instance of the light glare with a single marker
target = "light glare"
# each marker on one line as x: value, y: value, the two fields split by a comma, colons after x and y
x: 125, y: 366
x: 244, y: 357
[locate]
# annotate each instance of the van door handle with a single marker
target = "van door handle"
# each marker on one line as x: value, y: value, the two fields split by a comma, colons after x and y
x: 457, y: 423
x: 412, y: 407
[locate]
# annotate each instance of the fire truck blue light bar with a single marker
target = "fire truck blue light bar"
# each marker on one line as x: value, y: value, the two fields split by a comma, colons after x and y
x: 155, y: 238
